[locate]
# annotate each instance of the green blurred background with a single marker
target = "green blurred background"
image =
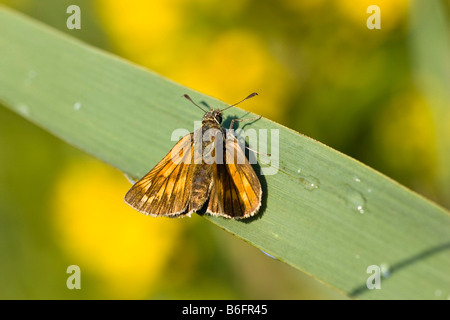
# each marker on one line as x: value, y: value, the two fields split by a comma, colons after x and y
x: 380, y: 96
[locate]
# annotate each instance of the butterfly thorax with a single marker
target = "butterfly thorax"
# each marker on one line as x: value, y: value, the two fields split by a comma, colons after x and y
x: 211, y: 131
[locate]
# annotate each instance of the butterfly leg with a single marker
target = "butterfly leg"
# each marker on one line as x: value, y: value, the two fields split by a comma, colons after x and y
x: 241, y: 120
x: 249, y: 119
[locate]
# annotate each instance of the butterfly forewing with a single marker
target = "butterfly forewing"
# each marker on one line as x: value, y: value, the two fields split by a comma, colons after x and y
x: 165, y: 190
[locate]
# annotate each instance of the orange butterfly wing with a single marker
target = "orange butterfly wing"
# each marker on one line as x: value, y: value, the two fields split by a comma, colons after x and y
x: 166, y: 189
x: 236, y: 190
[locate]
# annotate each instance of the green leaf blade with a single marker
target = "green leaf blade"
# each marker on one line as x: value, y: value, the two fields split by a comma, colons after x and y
x: 323, y: 213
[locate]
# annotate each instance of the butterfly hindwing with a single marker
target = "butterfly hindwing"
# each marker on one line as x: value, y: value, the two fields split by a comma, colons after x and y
x: 236, y: 190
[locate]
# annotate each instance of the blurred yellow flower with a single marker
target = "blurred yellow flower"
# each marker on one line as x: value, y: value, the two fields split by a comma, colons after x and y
x: 126, y: 250
x: 407, y: 139
x: 303, y: 6
x: 228, y: 64
x: 391, y: 12
x: 140, y: 29
x: 233, y: 65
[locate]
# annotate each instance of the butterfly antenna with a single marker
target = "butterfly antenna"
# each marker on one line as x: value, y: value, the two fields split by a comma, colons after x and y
x: 189, y: 98
x: 250, y: 96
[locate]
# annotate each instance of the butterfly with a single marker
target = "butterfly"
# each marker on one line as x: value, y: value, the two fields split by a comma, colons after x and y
x: 206, y: 165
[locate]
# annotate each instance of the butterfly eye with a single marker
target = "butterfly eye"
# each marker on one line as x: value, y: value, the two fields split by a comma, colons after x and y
x: 219, y: 118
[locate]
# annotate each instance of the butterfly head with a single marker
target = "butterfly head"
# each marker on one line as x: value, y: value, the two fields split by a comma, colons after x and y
x: 214, y: 115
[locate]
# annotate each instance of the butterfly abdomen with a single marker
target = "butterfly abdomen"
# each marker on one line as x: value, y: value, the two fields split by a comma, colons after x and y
x: 201, y: 185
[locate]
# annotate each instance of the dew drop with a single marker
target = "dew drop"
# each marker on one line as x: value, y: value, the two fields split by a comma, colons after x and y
x: 23, y: 109
x: 355, y: 200
x: 29, y: 79
x: 385, y: 270
x: 268, y: 255
x: 309, y: 183
x: 77, y: 106
x: 129, y: 178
